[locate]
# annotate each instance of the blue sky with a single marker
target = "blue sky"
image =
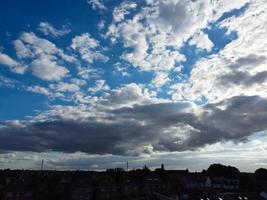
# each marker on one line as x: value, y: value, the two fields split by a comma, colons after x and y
x: 140, y: 79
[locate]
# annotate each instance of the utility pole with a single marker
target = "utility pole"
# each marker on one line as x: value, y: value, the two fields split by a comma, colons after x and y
x: 42, y: 165
x: 127, y: 166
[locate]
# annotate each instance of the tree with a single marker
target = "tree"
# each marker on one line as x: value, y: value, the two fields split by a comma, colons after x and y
x: 146, y: 169
x: 222, y: 170
x: 261, y: 173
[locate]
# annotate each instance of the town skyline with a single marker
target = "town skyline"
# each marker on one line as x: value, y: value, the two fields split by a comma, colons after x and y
x: 217, y: 182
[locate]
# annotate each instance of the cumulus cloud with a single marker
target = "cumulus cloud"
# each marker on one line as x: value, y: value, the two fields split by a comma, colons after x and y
x: 88, y: 47
x: 39, y: 90
x: 129, y: 95
x: 65, y: 91
x: 241, y: 64
x: 156, y: 27
x: 100, y: 86
x: 160, y: 79
x: 121, y: 69
x: 48, y: 29
x: 122, y: 10
x: 65, y: 87
x: 154, y: 36
x: 101, y: 25
x: 13, y: 65
x: 44, y: 55
x: 43, y: 66
x: 30, y: 46
x: 97, y: 4
x: 201, y: 41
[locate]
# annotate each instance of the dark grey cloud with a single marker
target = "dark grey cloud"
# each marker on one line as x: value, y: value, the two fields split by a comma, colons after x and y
x: 136, y: 130
x: 243, y: 78
x: 240, y: 76
x: 251, y: 59
x: 232, y: 119
x: 72, y: 136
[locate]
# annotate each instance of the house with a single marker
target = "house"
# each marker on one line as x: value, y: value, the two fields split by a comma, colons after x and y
x: 178, y: 173
x: 154, y: 183
x: 115, y: 170
x: 130, y: 188
x: 8, y: 180
x: 226, y: 184
x: 65, y: 180
x: 198, y: 182
x: 82, y: 194
x: 18, y: 191
x: 263, y: 195
x: 18, y: 195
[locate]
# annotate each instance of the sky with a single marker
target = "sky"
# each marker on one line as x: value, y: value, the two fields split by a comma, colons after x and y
x: 92, y: 84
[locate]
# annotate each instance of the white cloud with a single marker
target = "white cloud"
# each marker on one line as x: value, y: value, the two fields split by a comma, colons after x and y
x: 100, y: 86
x: 97, y: 4
x: 154, y: 36
x: 122, y: 69
x: 22, y: 50
x: 88, y: 47
x: 39, y: 90
x: 148, y: 40
x: 101, y: 25
x: 128, y: 95
x: 88, y: 72
x: 31, y: 46
x: 84, y: 41
x: 4, y: 81
x: 202, y: 41
x: 49, y: 29
x: 160, y: 79
x: 78, y: 82
x: 47, y: 68
x: 45, y: 56
x: 224, y: 6
x: 65, y: 87
x: 122, y: 10
x: 154, y: 30
x: 239, y: 68
x: 190, y: 16
x: 13, y: 65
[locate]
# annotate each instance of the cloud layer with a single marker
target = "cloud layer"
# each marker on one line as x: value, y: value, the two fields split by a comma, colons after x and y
x: 137, y: 129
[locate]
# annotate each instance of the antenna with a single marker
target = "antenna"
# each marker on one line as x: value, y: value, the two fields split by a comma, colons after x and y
x: 42, y: 165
